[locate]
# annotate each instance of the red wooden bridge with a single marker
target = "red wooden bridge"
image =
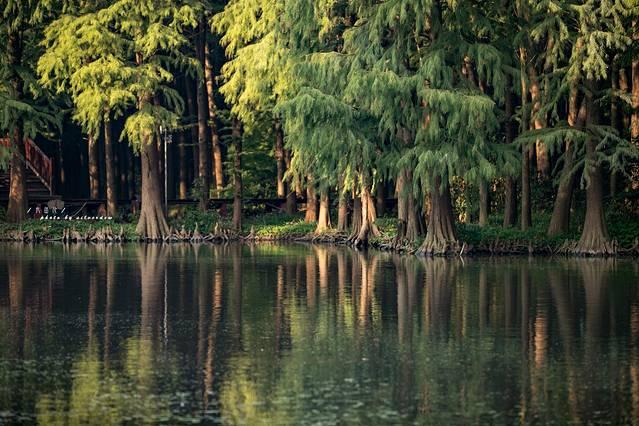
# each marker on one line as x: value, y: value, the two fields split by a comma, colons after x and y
x: 39, y: 173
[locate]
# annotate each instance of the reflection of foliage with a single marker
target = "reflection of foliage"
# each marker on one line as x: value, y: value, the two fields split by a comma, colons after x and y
x: 105, y: 396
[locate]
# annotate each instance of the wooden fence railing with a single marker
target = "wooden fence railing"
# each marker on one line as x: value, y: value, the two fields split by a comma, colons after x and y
x: 37, y: 161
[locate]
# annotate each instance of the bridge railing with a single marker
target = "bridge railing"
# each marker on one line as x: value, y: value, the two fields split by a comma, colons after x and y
x: 37, y: 161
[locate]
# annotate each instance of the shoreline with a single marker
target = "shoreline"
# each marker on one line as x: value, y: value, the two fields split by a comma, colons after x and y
x: 502, y: 248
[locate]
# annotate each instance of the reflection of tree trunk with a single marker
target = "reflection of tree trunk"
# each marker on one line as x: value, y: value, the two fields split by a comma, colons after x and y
x: 438, y: 291
x: 152, y: 259
x: 311, y: 280
x: 566, y: 321
x: 322, y: 264
x: 110, y: 295
x: 209, y: 368
x: 236, y: 297
x: 483, y: 298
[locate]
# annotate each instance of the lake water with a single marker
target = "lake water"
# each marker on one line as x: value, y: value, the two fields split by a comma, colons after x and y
x: 297, y: 334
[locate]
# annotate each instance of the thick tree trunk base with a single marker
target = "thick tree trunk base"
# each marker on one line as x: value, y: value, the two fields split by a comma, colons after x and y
x: 441, y: 238
x: 152, y: 225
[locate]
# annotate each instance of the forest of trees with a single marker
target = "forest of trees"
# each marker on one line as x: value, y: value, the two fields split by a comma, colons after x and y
x: 458, y: 109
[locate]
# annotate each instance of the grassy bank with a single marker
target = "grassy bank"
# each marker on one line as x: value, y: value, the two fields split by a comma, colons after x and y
x: 276, y: 226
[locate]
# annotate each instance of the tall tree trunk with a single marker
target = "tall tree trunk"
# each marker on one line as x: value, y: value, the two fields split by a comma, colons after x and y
x: 18, y: 202
x: 202, y: 142
x: 279, y: 158
x: 218, y: 172
x: 441, y: 237
x: 311, y: 202
x: 526, y: 221
x: 367, y: 226
x: 193, y: 125
x: 510, y: 207
x: 634, y: 119
x: 111, y: 195
x: 237, y: 176
x: 342, y: 209
x: 131, y: 175
x: 18, y: 196
x: 152, y: 224
x: 560, y: 219
x: 614, y: 115
x: 94, y: 172
x: 324, y: 219
x: 484, y: 203
x: 356, y: 216
x: 182, y: 191
x: 291, y: 196
x: 538, y: 122
x: 408, y: 228
x: 380, y: 198
x: 123, y: 171
x: 594, y: 237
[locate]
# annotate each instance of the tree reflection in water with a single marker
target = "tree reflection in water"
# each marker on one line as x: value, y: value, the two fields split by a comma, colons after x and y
x: 291, y: 334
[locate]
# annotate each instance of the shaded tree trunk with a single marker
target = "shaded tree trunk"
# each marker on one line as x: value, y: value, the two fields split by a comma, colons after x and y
x: 484, y: 203
x: 560, y: 219
x: 131, y: 175
x: 111, y: 192
x: 218, y: 172
x: 237, y: 176
x: 18, y: 196
x: 311, y: 202
x: 380, y: 198
x: 291, y: 196
x: 510, y: 185
x: 538, y: 122
x: 441, y: 236
x: 279, y: 158
x: 408, y: 228
x: 367, y: 227
x: 324, y: 219
x: 193, y: 125
x: 202, y: 142
x: 94, y: 171
x: 182, y: 177
x: 342, y: 211
x: 123, y: 171
x: 356, y: 215
x: 18, y: 199
x: 594, y: 237
x: 152, y: 224
x: 634, y: 119
x: 526, y: 220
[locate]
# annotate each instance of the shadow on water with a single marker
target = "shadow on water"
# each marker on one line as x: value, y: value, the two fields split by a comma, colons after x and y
x: 293, y: 334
